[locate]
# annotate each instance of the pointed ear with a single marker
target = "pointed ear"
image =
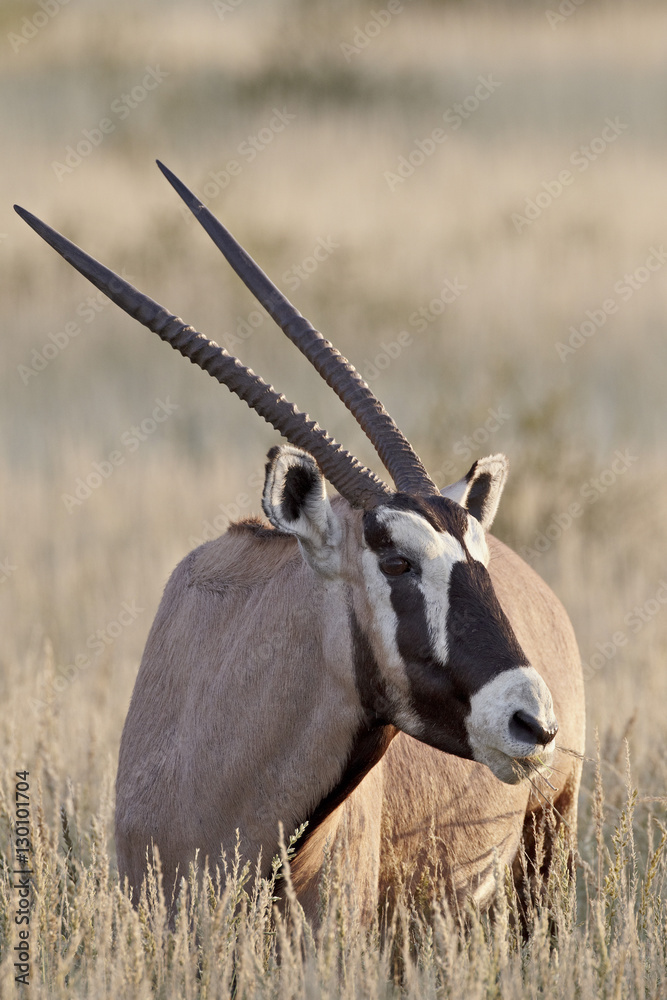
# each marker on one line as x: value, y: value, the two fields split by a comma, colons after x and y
x: 295, y: 501
x: 481, y: 488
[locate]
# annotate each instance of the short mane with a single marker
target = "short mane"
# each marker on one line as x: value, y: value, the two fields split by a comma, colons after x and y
x: 249, y: 553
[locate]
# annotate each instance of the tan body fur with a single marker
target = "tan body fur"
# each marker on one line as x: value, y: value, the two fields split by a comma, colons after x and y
x: 217, y: 739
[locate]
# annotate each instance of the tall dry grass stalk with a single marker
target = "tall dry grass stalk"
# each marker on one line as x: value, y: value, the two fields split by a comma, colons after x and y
x: 234, y: 933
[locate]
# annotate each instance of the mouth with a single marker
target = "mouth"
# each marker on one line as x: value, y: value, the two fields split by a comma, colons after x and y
x: 534, y: 768
x: 537, y: 766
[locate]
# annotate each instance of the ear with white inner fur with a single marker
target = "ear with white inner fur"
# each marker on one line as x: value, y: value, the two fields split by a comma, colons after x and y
x: 295, y: 501
x: 481, y: 488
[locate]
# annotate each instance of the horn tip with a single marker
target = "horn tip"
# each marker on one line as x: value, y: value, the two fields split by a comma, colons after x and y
x: 169, y: 174
x: 39, y: 227
x: 24, y: 213
x: 190, y: 199
x: 51, y: 236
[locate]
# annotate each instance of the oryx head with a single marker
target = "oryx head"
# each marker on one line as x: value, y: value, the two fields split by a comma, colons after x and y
x: 435, y: 655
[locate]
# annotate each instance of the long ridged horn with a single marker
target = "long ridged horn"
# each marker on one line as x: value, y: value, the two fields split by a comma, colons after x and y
x: 395, y: 451
x: 357, y: 484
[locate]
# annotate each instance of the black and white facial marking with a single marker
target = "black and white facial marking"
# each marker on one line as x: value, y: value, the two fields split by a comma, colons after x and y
x: 451, y: 672
x: 461, y: 681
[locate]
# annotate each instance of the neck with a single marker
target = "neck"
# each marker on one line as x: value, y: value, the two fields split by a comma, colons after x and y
x: 348, y: 817
x: 310, y: 743
x: 359, y: 813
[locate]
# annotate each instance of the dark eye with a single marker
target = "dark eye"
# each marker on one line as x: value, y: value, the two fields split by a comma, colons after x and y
x: 394, y: 565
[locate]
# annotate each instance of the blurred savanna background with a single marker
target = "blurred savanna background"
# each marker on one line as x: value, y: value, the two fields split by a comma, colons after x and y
x: 469, y: 199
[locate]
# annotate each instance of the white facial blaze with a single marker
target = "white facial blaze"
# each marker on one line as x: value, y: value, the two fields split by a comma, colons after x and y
x: 491, y: 711
x: 434, y: 553
x: 386, y: 625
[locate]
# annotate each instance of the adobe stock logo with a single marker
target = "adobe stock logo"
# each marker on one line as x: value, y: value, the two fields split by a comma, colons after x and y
x: 130, y: 440
x: 580, y: 159
x: 589, y: 493
x: 420, y: 319
x: 635, y: 620
x: 121, y: 108
x: 623, y: 290
x: 364, y: 34
x: 454, y: 117
x: 247, y: 152
x: 31, y: 26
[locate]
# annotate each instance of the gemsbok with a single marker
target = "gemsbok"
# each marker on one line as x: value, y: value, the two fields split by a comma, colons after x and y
x: 377, y: 664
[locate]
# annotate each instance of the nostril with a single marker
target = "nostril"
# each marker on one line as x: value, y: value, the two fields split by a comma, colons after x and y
x: 526, y: 728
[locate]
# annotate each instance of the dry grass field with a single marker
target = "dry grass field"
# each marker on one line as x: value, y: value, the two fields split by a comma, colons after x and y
x: 489, y: 180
